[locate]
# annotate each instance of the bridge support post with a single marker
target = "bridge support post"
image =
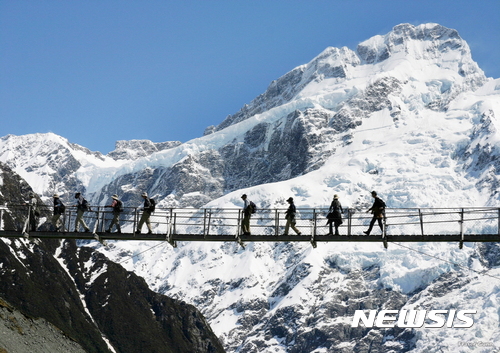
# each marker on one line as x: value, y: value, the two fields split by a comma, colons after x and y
x: 421, y: 216
x: 96, y: 225
x: 238, y: 231
x: 169, y: 236
x: 27, y: 224
x: 313, y: 233
x: 204, y: 223
x: 461, y: 244
x: 276, y: 223
x: 498, y: 221
x: 99, y: 222
x: 135, y: 221
x: 175, y: 224
x: 384, y: 232
x: 25, y: 227
x: 349, y: 221
x: 209, y: 219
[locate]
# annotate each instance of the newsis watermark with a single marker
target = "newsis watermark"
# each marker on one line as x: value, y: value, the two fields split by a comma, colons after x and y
x: 414, y: 318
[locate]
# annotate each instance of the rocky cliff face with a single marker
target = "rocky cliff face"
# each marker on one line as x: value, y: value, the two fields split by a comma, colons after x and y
x: 90, y: 299
x: 23, y: 334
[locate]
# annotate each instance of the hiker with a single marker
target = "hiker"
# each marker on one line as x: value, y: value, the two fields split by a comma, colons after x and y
x: 247, y: 213
x: 146, y: 213
x: 378, y: 210
x: 290, y: 217
x: 334, y: 215
x: 117, y: 206
x: 33, y: 214
x: 58, y: 211
x: 81, y: 207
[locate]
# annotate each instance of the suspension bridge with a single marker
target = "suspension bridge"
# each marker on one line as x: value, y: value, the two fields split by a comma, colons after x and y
x: 468, y: 224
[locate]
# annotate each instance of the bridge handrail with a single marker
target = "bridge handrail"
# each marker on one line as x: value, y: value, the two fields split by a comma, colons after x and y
x: 270, y: 221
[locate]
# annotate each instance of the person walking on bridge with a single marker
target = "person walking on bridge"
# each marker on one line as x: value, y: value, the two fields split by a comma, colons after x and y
x: 117, y: 207
x: 81, y: 207
x: 247, y: 214
x: 290, y: 217
x: 378, y: 211
x: 33, y: 213
x: 58, y: 211
x: 147, y: 209
x: 335, y: 215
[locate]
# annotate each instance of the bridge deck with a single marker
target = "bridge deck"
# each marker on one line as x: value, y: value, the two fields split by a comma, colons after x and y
x: 173, y: 238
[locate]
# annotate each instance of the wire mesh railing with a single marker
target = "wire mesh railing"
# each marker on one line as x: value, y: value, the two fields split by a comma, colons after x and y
x: 265, y: 222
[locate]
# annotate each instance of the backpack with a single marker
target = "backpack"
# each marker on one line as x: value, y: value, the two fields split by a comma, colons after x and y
x: 62, y: 208
x: 253, y: 207
x: 119, y: 206
x: 152, y: 205
x: 85, y: 205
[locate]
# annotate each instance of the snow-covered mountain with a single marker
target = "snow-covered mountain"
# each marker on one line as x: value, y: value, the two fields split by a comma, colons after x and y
x: 417, y: 85
x: 409, y: 114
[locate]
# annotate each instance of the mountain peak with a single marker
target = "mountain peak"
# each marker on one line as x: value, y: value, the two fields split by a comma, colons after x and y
x: 428, y: 43
x: 425, y: 41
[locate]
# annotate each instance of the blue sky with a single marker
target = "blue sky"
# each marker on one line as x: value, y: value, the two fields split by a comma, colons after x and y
x: 99, y: 71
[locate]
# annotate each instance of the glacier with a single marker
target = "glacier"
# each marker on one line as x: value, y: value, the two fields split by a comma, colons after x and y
x: 408, y: 114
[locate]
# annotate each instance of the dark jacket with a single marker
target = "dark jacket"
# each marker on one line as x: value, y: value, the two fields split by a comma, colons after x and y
x: 147, y: 205
x: 335, y: 212
x: 117, y: 206
x: 58, y: 206
x: 378, y: 208
x: 82, y: 204
x: 290, y: 212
